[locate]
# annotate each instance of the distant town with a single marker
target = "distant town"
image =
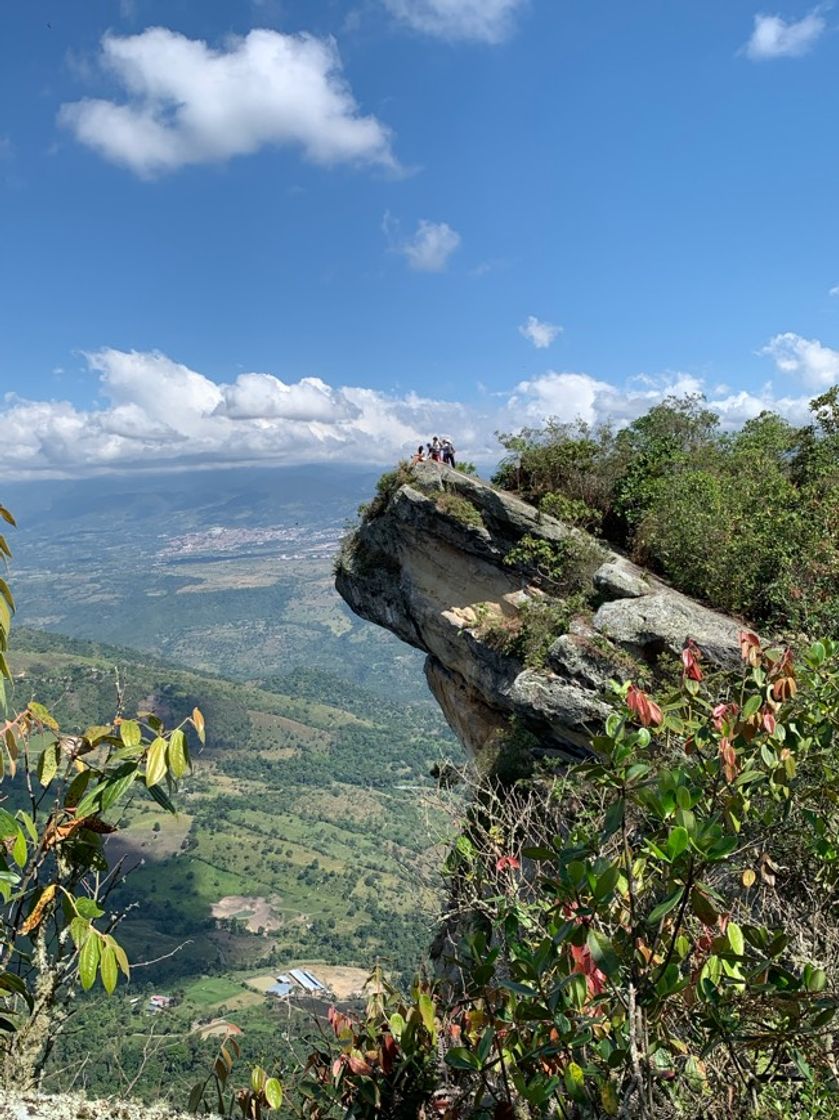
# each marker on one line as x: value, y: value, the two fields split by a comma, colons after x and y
x: 297, y: 541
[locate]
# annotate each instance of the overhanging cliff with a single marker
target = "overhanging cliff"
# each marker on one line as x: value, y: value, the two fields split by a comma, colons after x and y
x: 524, y: 619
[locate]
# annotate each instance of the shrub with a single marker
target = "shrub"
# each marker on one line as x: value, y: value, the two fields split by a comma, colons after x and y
x: 651, y: 935
x: 386, y: 487
x: 748, y: 522
x: 55, y: 928
x: 460, y: 509
x: 573, y: 511
x: 529, y: 634
x: 564, y: 567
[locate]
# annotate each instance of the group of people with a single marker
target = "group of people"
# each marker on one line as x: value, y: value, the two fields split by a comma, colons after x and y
x: 438, y: 451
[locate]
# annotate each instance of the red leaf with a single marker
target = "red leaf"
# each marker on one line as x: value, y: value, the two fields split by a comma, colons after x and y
x: 645, y: 710
x: 750, y: 647
x: 691, y: 655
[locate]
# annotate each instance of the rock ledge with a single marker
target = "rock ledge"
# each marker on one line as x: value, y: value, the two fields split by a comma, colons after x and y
x: 447, y: 587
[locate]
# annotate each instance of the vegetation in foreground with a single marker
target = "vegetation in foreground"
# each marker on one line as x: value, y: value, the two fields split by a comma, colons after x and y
x: 652, y: 935
x: 747, y: 521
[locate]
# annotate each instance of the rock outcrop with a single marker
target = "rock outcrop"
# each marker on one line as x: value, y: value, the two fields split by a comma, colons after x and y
x: 454, y: 567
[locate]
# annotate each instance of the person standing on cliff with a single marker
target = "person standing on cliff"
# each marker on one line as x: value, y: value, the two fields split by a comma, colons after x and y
x: 448, y: 453
x: 436, y: 450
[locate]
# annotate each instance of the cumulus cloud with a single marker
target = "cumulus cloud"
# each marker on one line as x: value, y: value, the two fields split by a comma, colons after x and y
x: 578, y: 396
x: 155, y: 413
x: 158, y: 413
x: 775, y: 37
x: 428, y: 249
x: 806, y: 358
x: 488, y: 21
x: 188, y: 103
x: 539, y: 333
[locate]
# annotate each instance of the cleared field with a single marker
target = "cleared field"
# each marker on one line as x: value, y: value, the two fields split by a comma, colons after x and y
x: 210, y: 991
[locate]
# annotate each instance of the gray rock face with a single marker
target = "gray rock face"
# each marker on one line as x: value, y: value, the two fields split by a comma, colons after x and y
x: 663, y: 622
x: 443, y: 586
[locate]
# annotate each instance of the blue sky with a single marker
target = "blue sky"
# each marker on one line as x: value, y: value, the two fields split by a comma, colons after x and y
x: 387, y: 209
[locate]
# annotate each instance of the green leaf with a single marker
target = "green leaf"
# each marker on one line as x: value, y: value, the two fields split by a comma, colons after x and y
x: 79, y: 931
x: 8, y: 825
x: 613, y: 819
x: 28, y: 824
x: 575, y: 1082
x: 735, y: 938
x: 461, y: 1058
x: 178, y: 756
x: 122, y: 959
x: 751, y: 706
x: 677, y: 841
x: 273, y: 1091
x: 156, y: 762
x: 48, y: 764
x: 665, y: 907
x: 602, y: 953
x: 76, y: 789
x: 515, y: 986
x: 129, y: 732
x: 19, y: 849
x: 108, y: 969
x: 89, y: 961
x: 160, y: 797
x: 426, y: 1010
x: 118, y: 784
x: 88, y: 908
x: 607, y: 882
x: 7, y: 594
x: 42, y: 715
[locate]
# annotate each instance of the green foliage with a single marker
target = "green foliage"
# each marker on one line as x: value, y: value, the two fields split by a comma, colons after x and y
x: 54, y: 880
x: 547, y: 560
x: 748, y: 522
x: 459, y: 508
x: 654, y: 937
x: 562, y: 567
x: 386, y: 487
x: 529, y: 634
x: 216, y: 1095
x: 573, y: 511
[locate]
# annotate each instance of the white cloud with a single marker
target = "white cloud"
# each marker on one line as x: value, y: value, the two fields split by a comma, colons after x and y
x: 578, y: 396
x: 190, y: 104
x: 261, y: 395
x: 488, y: 21
x: 806, y: 358
x: 775, y: 37
x: 834, y: 291
x: 155, y: 413
x: 539, y: 333
x: 428, y: 249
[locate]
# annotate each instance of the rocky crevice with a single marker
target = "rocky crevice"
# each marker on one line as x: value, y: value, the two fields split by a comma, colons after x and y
x: 447, y: 587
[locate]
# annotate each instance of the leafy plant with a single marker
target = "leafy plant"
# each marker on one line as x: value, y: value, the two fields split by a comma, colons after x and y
x: 67, y: 793
x: 651, y: 935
